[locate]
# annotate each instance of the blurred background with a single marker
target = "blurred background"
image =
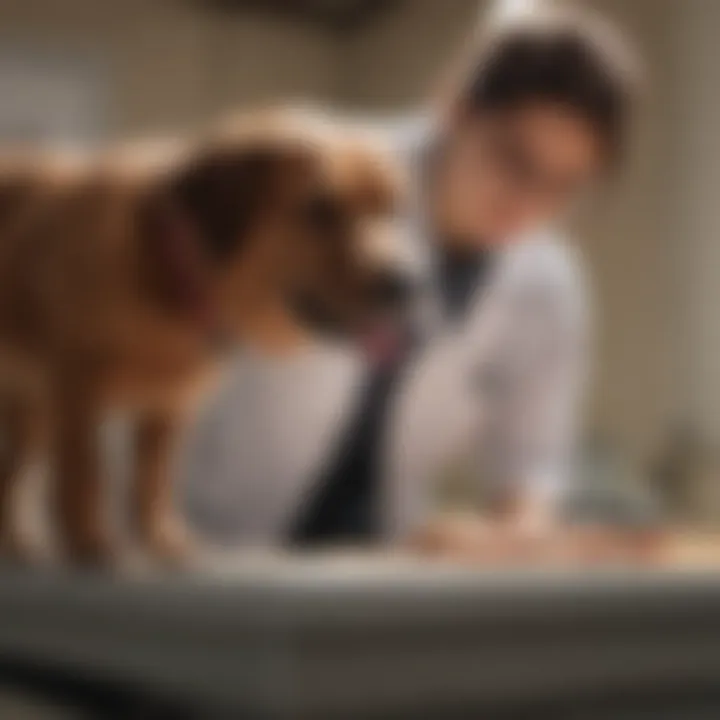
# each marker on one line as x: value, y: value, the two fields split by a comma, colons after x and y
x: 82, y: 71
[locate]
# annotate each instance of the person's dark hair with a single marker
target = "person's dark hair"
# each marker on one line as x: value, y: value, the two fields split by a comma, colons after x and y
x: 572, y: 59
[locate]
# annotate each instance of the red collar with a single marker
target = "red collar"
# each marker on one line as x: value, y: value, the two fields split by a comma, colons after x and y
x: 184, y: 272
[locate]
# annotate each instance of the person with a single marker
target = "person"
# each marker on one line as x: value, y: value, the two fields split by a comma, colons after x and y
x: 338, y: 446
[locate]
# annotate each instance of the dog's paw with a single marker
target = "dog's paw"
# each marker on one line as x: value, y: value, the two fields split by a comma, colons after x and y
x: 169, y: 543
x: 17, y: 548
x: 91, y: 551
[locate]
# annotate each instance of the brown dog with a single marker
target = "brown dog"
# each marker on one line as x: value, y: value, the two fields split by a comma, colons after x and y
x: 119, y: 277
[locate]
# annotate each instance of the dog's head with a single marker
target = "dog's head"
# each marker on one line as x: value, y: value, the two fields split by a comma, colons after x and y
x: 286, y: 211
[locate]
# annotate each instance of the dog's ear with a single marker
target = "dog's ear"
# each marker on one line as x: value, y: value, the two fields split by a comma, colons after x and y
x: 222, y: 193
x: 202, y: 211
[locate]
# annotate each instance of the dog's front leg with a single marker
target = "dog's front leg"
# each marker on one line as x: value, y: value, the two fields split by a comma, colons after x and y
x: 160, y: 530
x: 21, y: 424
x: 80, y: 513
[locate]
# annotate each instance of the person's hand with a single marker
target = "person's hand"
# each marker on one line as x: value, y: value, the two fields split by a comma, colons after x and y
x: 470, y: 537
x: 514, y: 540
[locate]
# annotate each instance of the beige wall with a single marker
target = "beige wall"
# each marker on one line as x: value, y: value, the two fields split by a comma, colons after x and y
x: 697, y: 212
x: 398, y: 61
x: 168, y: 64
x: 656, y: 255
x: 629, y: 242
x: 165, y: 63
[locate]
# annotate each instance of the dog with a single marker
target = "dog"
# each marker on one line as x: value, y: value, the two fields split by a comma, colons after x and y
x: 122, y: 277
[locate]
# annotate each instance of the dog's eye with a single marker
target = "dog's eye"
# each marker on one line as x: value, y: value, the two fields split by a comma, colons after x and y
x: 323, y: 214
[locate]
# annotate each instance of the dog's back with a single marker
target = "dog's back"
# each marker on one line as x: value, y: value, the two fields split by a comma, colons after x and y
x: 22, y: 201
x: 59, y: 259
x: 27, y: 186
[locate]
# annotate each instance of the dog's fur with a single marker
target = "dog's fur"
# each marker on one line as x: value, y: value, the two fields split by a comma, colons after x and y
x: 119, y: 274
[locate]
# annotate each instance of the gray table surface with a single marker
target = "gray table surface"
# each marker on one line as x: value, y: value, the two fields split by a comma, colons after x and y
x: 283, y: 636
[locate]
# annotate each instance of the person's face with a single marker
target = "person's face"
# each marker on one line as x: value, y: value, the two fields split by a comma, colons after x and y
x: 506, y: 172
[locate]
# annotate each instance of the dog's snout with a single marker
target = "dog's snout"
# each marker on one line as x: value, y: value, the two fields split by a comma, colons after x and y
x: 392, y: 289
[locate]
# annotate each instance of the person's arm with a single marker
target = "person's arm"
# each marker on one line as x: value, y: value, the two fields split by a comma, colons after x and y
x: 532, y: 368
x: 525, y: 357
